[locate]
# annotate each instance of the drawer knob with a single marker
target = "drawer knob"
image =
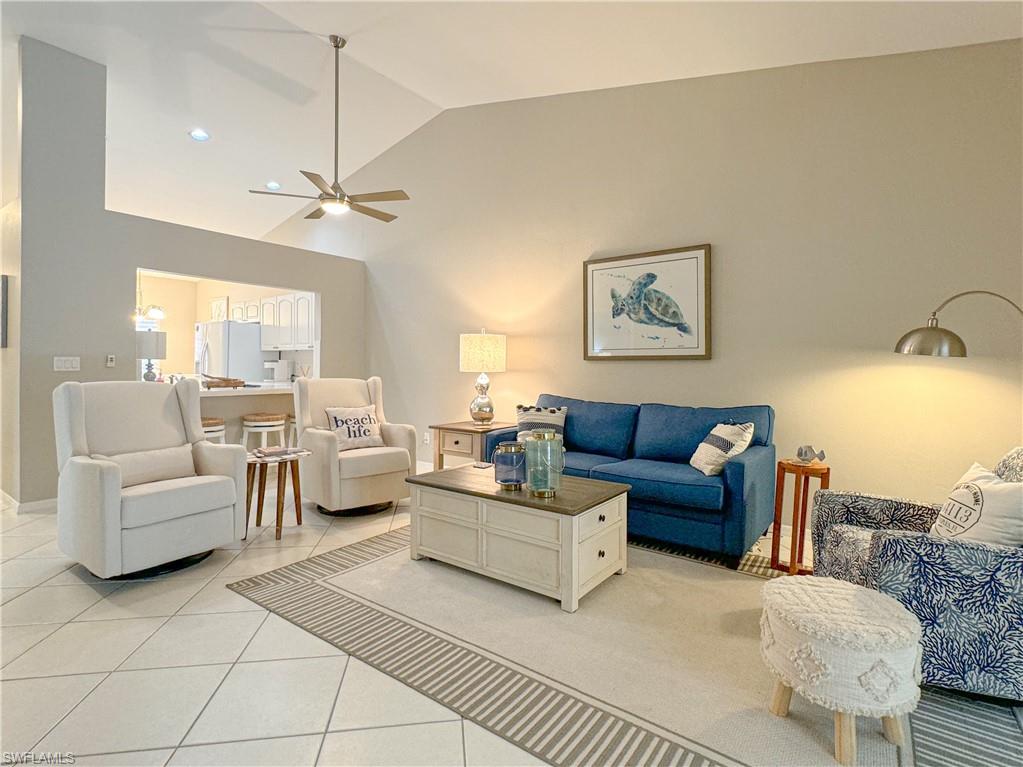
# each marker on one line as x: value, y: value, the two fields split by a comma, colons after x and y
x: 456, y: 441
x: 602, y: 518
x: 600, y: 553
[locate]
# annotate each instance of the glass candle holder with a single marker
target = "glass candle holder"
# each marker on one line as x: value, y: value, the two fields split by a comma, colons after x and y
x: 545, y: 460
x: 510, y: 465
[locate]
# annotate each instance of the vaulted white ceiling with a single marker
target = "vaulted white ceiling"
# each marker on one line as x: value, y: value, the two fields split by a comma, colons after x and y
x: 257, y: 77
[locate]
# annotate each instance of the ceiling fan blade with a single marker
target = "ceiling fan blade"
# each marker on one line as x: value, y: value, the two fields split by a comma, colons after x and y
x: 317, y: 213
x: 283, y: 194
x: 373, y: 212
x: 319, y: 181
x: 392, y: 196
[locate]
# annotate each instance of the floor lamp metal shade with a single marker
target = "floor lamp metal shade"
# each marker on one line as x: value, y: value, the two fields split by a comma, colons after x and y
x: 150, y: 345
x: 935, y: 341
x: 482, y: 353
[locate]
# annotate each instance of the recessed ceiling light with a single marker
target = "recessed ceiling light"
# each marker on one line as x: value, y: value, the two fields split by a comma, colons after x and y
x: 198, y: 134
x: 273, y: 186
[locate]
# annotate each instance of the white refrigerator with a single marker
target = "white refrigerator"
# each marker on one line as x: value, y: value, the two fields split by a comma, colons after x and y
x: 229, y: 349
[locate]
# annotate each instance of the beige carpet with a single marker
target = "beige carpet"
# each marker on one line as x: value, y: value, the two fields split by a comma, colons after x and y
x: 672, y: 641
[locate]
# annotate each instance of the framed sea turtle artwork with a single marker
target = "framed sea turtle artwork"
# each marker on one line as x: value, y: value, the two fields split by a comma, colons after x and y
x: 648, y: 306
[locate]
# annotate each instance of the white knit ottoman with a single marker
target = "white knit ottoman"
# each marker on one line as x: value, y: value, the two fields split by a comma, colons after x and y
x: 841, y: 646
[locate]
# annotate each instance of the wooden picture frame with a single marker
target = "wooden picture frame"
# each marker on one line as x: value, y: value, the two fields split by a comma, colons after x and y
x: 623, y: 320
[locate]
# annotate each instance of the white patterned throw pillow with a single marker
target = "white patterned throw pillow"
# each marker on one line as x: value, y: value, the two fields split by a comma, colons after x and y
x: 530, y: 417
x: 982, y: 507
x: 726, y: 440
x: 355, y: 427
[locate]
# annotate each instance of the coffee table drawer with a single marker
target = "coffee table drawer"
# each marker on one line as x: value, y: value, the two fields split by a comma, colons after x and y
x: 600, y: 551
x: 448, y: 540
x: 532, y: 524
x: 462, y: 506
x: 522, y: 561
x: 600, y: 518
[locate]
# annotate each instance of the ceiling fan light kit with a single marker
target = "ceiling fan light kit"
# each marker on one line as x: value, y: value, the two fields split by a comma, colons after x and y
x: 332, y: 197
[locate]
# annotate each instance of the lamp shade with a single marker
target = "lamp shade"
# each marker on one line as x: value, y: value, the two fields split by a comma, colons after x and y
x: 482, y: 353
x: 931, y: 341
x: 150, y: 345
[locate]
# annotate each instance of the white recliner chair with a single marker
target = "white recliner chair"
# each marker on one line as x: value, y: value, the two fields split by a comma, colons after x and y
x: 348, y: 479
x: 139, y: 484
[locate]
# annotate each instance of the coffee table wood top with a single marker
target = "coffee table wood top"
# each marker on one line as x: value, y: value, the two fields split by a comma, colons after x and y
x: 576, y: 496
x: 471, y: 427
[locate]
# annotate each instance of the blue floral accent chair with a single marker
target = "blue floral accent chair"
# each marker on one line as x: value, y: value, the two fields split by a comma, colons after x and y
x: 967, y: 595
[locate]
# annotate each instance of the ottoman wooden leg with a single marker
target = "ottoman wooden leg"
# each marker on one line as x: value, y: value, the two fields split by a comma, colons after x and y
x: 892, y: 727
x: 845, y: 738
x: 780, y: 699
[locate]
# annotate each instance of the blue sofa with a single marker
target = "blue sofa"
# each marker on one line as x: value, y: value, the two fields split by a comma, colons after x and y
x: 649, y: 446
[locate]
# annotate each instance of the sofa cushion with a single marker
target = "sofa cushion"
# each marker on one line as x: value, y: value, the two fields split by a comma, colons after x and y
x: 153, y: 465
x: 672, y: 433
x: 664, y: 482
x: 370, y: 461
x: 172, y: 498
x: 579, y: 464
x: 604, y: 428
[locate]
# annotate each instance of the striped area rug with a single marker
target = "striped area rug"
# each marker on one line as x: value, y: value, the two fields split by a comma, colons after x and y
x: 552, y: 721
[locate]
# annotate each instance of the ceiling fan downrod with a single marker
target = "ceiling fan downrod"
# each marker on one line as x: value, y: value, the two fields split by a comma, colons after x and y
x: 338, y: 42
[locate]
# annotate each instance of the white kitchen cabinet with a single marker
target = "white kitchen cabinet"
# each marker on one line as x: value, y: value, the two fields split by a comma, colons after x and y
x: 252, y: 311
x: 238, y: 312
x: 268, y: 324
x: 304, y: 335
x: 286, y: 321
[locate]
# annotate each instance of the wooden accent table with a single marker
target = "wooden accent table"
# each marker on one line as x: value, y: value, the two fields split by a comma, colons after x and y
x: 802, y: 473
x: 282, y: 462
x: 464, y: 439
x: 562, y: 547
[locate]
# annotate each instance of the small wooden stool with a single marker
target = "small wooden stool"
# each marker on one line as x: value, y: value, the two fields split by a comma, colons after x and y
x: 849, y: 649
x: 258, y: 465
x: 214, y: 428
x: 802, y: 473
x: 263, y: 424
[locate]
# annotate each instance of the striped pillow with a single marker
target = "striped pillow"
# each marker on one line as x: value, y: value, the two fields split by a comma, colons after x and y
x: 726, y: 440
x: 530, y: 417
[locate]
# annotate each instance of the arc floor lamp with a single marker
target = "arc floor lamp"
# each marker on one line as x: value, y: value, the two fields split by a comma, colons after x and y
x: 935, y: 341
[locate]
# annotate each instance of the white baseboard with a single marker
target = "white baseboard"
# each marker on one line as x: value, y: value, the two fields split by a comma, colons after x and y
x: 424, y: 467
x: 47, y: 505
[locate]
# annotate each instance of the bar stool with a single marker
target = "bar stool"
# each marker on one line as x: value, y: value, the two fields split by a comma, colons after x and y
x: 292, y: 431
x: 263, y: 424
x: 214, y: 429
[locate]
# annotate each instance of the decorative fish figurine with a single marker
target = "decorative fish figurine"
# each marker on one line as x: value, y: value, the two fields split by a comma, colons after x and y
x: 806, y: 454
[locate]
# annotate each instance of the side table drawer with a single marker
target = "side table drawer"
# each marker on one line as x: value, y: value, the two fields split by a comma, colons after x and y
x: 600, y: 551
x: 604, y: 516
x: 454, y: 442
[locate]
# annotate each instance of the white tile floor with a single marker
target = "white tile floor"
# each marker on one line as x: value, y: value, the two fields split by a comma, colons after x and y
x: 179, y: 670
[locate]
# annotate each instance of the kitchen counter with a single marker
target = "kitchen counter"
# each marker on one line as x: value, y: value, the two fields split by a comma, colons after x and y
x: 283, y: 387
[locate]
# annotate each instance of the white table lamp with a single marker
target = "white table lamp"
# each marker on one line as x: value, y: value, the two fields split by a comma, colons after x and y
x: 482, y: 353
x: 150, y: 345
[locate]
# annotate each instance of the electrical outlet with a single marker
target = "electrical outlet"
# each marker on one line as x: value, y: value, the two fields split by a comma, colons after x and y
x: 111, y: 361
x: 426, y: 437
x: 67, y: 364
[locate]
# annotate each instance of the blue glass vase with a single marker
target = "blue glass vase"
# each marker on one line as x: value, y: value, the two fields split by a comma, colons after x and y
x: 510, y: 465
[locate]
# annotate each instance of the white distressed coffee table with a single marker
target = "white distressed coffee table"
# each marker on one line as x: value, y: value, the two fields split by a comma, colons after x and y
x: 562, y: 547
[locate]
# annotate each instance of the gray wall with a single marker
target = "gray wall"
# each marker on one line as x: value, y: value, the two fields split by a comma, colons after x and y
x: 77, y: 285
x: 843, y: 201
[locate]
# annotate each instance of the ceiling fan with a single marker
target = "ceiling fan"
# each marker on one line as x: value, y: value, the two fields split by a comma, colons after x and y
x: 333, y: 199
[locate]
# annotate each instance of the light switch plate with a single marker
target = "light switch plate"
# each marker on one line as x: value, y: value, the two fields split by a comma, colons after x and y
x: 426, y: 437
x: 111, y: 361
x: 67, y: 364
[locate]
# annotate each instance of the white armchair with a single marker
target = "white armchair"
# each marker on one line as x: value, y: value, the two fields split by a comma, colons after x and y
x: 139, y: 485
x: 339, y: 480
